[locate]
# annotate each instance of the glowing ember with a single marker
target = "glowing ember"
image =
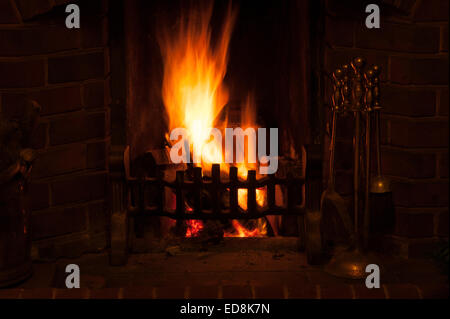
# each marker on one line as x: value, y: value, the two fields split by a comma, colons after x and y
x: 241, y: 231
x: 194, y: 227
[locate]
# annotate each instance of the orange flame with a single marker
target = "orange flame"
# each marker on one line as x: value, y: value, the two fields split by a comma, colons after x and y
x: 194, y: 93
x: 194, y: 227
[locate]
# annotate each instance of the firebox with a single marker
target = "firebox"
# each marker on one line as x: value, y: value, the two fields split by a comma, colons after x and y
x: 197, y: 67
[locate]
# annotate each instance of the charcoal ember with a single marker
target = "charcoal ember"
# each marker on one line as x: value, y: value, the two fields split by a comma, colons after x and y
x: 250, y: 225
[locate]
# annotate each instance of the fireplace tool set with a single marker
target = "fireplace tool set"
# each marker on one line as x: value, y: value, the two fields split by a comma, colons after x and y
x: 358, y: 92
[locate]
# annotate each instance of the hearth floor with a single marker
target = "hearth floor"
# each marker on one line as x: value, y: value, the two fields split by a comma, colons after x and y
x: 229, y: 274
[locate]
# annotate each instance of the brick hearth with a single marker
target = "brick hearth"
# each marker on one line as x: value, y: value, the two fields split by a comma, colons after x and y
x: 279, y: 274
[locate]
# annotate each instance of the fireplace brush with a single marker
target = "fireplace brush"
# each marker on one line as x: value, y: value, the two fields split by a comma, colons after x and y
x: 330, y: 196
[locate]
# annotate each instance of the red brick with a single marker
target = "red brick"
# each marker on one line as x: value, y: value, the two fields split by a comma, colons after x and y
x: 170, y: 292
x: 443, y: 165
x: 97, y: 217
x: 385, y: 128
x: 94, y: 95
x: 52, y: 101
x: 138, y: 293
x: 388, y: 245
x: 422, y: 248
x: 7, y: 14
x: 78, y: 188
x: 343, y: 9
x: 39, y: 193
x: 38, y: 293
x: 443, y: 105
x: 22, y: 74
x: 203, y: 292
x: 269, y: 292
x: 432, y: 10
x: 105, y: 293
x: 97, y: 155
x: 305, y: 291
x: 94, y: 32
x: 339, y: 32
x: 236, y: 292
x: 60, y: 160
x: 420, y: 194
x: 76, y: 128
x: 336, y: 292
x: 58, y: 100
x: 38, y: 40
x: 402, y: 291
x: 434, y: 291
x: 399, y: 37
x: 442, y: 224
x: 76, y: 67
x: 94, y: 8
x: 57, y: 222
x: 409, y: 102
x: 10, y: 293
x: 414, y: 224
x: 74, y: 293
x: 29, y: 9
x: 362, y: 292
x: 59, y: 2
x: 423, y: 134
x: 407, y: 70
x: 408, y: 164
x: 444, y: 38
x: 39, y: 136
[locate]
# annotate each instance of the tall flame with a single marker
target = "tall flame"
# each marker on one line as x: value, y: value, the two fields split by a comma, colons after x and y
x: 193, y: 90
x: 194, y: 93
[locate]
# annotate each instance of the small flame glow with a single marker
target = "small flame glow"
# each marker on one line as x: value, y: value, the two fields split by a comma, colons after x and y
x: 194, y: 227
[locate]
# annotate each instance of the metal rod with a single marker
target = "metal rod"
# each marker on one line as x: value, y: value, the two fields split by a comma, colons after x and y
x: 369, y: 76
x: 356, y: 172
x: 233, y: 189
x: 251, y: 192
x: 358, y: 99
x: 337, y: 100
x: 331, y: 178
x: 215, y: 189
x: 198, y: 181
x: 377, y: 141
x: 367, y: 182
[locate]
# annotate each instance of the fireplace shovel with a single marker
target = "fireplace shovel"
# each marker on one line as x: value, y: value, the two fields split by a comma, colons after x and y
x: 330, y: 196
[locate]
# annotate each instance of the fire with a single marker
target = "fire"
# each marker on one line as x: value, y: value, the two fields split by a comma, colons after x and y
x: 194, y: 94
x: 193, y: 227
x: 193, y: 90
x: 241, y: 231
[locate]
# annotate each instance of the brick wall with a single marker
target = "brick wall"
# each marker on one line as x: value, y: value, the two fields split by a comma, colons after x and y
x: 67, y: 72
x: 412, y: 49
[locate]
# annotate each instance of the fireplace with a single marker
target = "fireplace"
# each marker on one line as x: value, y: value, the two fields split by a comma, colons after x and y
x: 101, y: 184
